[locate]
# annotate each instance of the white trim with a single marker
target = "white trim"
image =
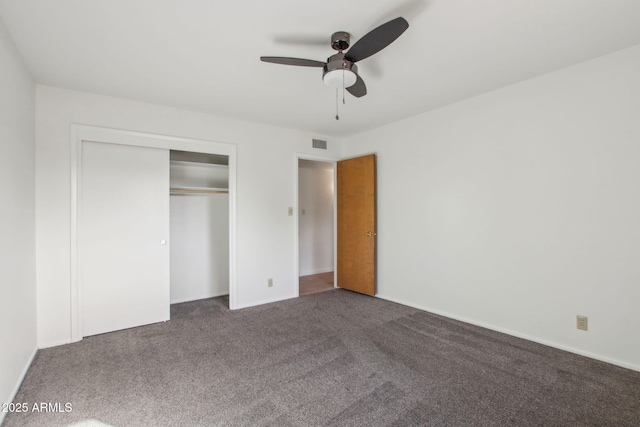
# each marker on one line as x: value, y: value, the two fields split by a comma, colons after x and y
x: 76, y: 180
x: 80, y: 133
x: 13, y: 394
x: 513, y: 333
x: 296, y: 206
x: 233, y: 266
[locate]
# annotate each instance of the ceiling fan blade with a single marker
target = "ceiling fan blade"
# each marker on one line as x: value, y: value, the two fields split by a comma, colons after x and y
x: 377, y: 39
x: 358, y: 89
x: 292, y: 61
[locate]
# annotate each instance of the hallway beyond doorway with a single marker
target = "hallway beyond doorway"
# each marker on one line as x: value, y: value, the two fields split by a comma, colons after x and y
x: 316, y: 283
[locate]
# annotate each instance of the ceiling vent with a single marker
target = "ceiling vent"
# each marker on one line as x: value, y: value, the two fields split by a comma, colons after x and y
x: 319, y: 143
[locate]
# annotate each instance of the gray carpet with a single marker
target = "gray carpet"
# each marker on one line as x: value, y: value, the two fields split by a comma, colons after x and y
x: 335, y: 358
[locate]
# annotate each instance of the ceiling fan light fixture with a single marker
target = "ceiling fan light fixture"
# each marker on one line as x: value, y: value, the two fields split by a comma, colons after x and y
x: 340, y: 78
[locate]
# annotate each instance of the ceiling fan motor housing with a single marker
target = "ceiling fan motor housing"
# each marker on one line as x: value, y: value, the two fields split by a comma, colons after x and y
x: 340, y: 40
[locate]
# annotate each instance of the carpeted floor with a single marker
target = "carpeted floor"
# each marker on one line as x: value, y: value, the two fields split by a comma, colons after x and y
x: 334, y: 358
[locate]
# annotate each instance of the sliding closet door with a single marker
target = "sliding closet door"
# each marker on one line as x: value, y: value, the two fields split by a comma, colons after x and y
x: 123, y: 237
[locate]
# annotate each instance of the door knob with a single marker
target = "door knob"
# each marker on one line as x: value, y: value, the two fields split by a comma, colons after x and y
x: 370, y: 234
x: 163, y: 242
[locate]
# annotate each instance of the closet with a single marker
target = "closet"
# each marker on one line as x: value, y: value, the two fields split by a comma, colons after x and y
x: 199, y: 222
x: 153, y: 230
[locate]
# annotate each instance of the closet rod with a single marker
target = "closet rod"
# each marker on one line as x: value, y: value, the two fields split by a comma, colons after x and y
x: 199, y: 191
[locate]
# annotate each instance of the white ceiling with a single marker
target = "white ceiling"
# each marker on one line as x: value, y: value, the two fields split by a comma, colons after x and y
x: 203, y: 55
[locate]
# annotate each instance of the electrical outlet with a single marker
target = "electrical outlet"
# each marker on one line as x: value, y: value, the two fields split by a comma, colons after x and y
x: 270, y: 283
x: 582, y: 323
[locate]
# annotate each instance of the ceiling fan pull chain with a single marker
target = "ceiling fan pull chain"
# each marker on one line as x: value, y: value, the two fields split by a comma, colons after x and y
x: 343, y: 88
x: 337, y: 116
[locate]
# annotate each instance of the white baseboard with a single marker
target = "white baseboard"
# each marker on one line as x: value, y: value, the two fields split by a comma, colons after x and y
x: 622, y: 364
x: 17, y: 386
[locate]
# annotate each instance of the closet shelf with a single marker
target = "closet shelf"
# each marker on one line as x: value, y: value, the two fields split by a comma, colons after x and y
x: 198, y: 190
x: 191, y: 164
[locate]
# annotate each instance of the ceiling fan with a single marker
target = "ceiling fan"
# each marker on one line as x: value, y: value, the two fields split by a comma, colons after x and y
x: 340, y: 70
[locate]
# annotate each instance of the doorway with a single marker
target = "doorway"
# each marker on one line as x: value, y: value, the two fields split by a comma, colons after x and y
x: 316, y: 207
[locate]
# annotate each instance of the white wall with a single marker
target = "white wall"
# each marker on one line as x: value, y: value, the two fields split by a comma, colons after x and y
x: 17, y: 219
x: 265, y: 189
x: 520, y: 208
x: 315, y: 221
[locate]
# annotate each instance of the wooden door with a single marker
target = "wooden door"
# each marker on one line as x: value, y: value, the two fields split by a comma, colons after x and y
x: 356, y: 188
x: 123, y: 237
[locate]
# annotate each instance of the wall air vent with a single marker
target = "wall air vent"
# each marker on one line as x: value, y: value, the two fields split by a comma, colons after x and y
x: 319, y: 143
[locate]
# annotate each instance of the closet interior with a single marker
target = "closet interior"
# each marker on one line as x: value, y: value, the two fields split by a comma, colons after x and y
x: 199, y: 211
